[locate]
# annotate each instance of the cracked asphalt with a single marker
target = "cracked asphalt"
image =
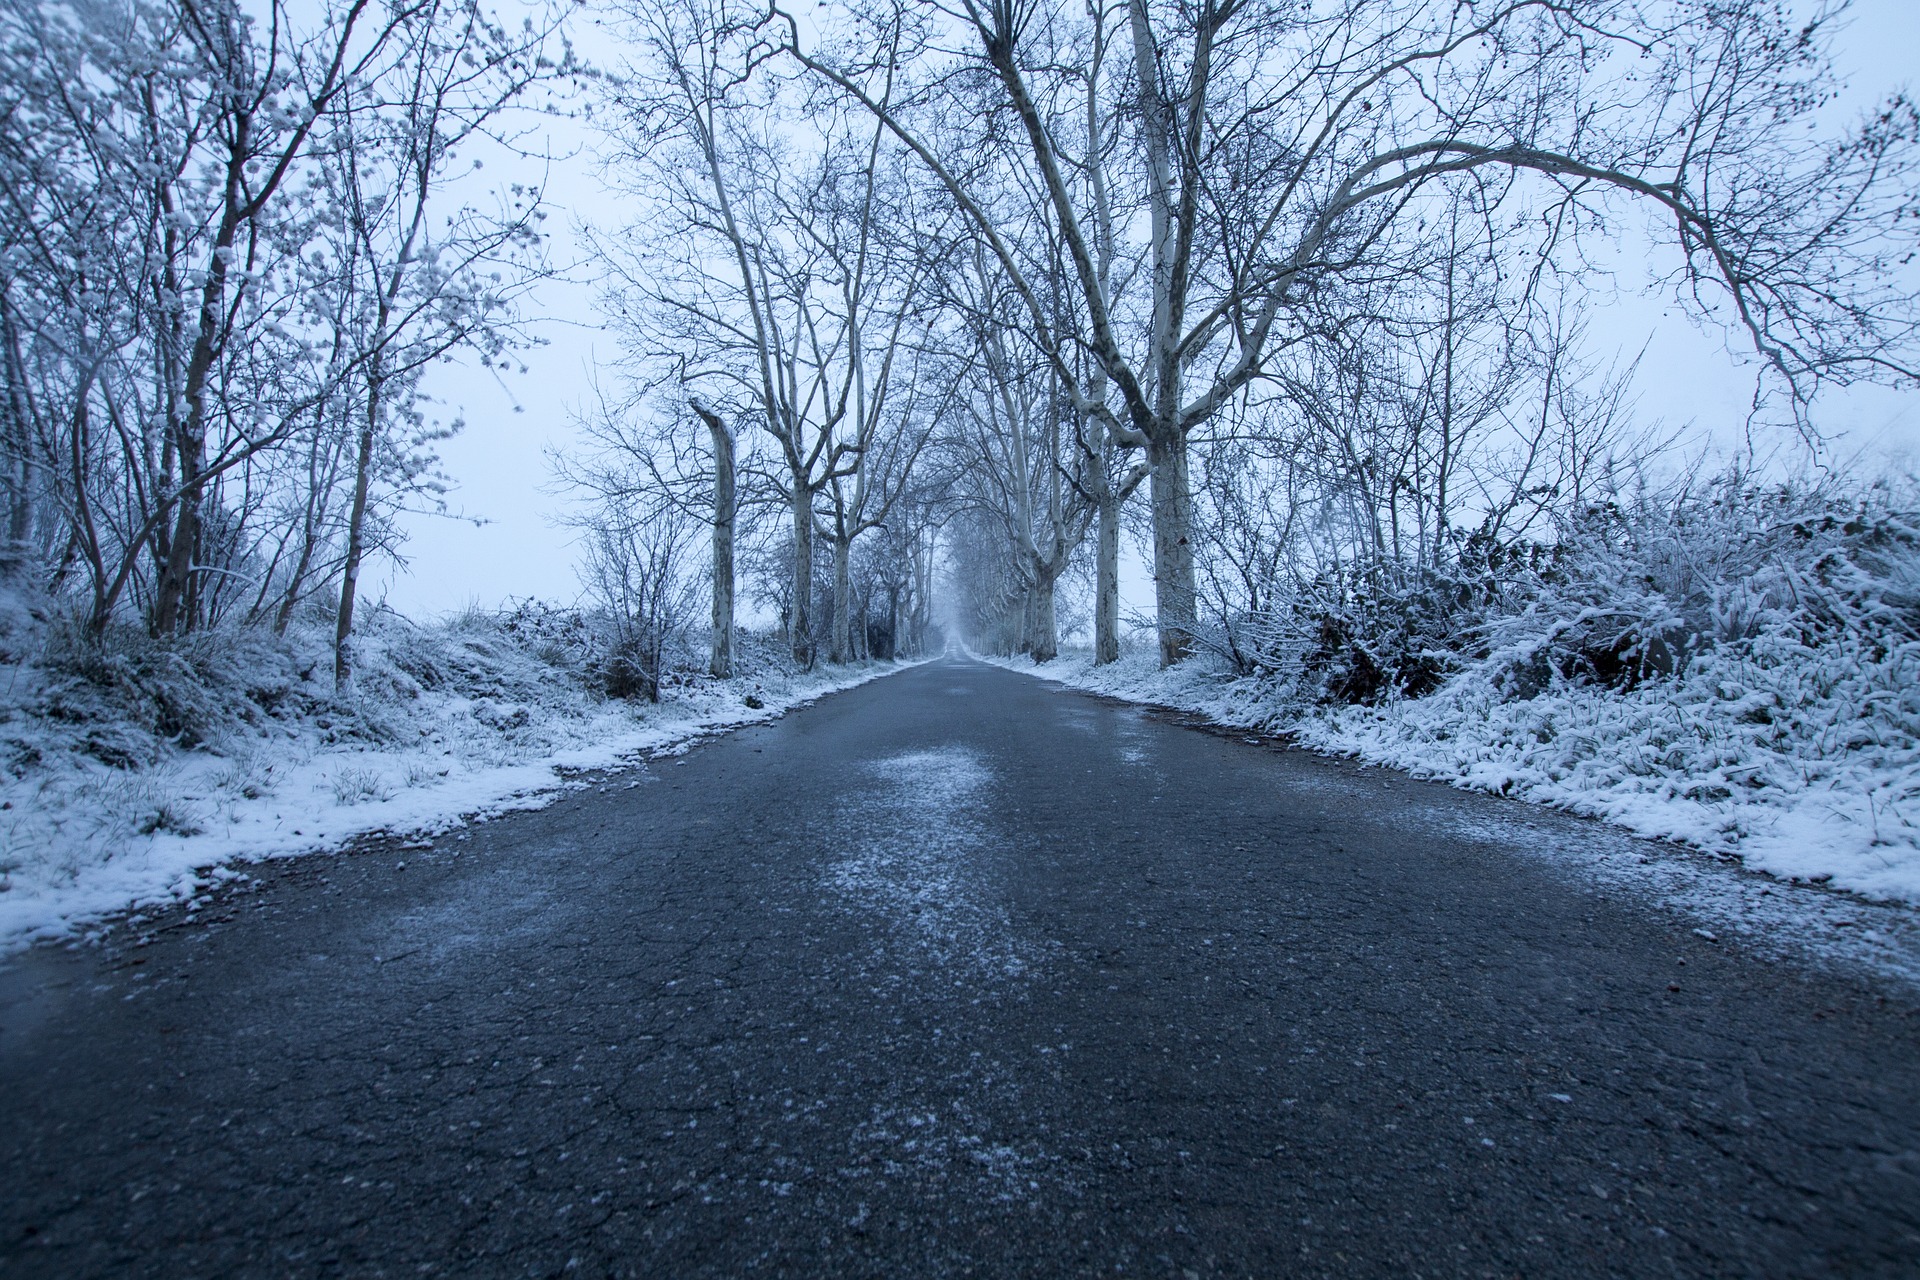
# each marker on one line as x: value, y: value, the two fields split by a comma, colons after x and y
x: 958, y: 973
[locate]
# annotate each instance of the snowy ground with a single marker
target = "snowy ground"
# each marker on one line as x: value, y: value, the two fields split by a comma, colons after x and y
x: 1822, y: 799
x: 100, y: 813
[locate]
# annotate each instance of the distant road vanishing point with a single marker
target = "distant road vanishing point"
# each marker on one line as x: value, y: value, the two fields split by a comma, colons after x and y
x: 953, y: 974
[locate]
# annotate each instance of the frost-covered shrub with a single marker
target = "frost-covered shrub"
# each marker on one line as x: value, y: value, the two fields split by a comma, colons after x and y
x: 1630, y: 591
x: 191, y: 692
x: 127, y: 700
x: 1734, y: 666
x: 1787, y: 576
x: 565, y: 639
x: 1378, y: 628
x: 510, y: 655
x: 632, y: 671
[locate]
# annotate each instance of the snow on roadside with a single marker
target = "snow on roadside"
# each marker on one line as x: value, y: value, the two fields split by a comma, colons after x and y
x: 1664, y: 761
x: 82, y: 839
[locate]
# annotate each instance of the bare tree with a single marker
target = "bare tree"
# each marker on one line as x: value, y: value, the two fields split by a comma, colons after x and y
x: 427, y: 290
x: 632, y: 565
x: 257, y: 123
x: 203, y: 298
x: 783, y: 278
x: 1283, y: 154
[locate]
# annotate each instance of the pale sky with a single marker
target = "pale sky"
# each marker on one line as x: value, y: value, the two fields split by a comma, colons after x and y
x: 499, y: 463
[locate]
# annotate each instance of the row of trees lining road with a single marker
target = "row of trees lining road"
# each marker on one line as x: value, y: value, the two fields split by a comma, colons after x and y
x: 236, y: 237
x: 912, y: 297
x: 777, y: 304
x: 1312, y: 274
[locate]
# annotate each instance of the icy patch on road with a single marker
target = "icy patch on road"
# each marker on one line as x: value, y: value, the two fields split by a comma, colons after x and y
x: 935, y: 781
x: 915, y: 864
x: 918, y: 879
x: 906, y: 1142
x: 483, y: 916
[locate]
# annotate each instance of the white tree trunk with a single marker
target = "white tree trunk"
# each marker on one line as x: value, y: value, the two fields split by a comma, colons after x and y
x: 1106, y: 583
x: 1173, y: 574
x: 842, y: 644
x: 802, y: 630
x: 356, y: 533
x: 721, y: 663
x: 1043, y: 641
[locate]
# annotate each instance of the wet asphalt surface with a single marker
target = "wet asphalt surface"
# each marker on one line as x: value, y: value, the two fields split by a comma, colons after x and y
x: 955, y: 974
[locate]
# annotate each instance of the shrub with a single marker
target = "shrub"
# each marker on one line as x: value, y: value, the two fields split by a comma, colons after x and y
x: 1629, y: 591
x: 193, y: 691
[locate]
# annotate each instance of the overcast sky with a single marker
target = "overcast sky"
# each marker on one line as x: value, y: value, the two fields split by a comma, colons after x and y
x: 499, y: 463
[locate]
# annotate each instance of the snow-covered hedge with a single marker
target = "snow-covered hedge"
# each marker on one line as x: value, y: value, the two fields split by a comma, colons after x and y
x: 1735, y: 668
x: 130, y: 767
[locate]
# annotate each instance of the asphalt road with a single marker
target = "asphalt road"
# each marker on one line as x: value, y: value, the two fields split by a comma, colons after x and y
x: 957, y: 973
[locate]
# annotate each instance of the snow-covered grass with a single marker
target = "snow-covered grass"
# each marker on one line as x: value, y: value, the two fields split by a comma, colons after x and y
x: 1736, y: 670
x: 135, y: 773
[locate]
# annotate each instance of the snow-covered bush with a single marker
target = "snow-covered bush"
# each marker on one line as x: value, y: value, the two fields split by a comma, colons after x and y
x: 136, y: 695
x: 1375, y: 629
x: 1783, y: 576
x: 1631, y: 590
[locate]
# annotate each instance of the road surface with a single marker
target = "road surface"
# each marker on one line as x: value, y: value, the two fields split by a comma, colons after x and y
x: 958, y: 973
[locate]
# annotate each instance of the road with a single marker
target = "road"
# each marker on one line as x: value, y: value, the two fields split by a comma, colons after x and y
x: 958, y: 973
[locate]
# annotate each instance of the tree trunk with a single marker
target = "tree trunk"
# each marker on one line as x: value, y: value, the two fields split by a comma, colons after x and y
x: 1043, y: 642
x: 802, y: 627
x: 1173, y: 576
x: 284, y: 614
x: 86, y: 532
x: 172, y: 604
x: 309, y: 523
x: 842, y: 650
x: 14, y: 560
x: 922, y: 594
x: 171, y: 609
x: 356, y: 538
x: 14, y: 556
x: 1106, y: 583
x: 723, y: 514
